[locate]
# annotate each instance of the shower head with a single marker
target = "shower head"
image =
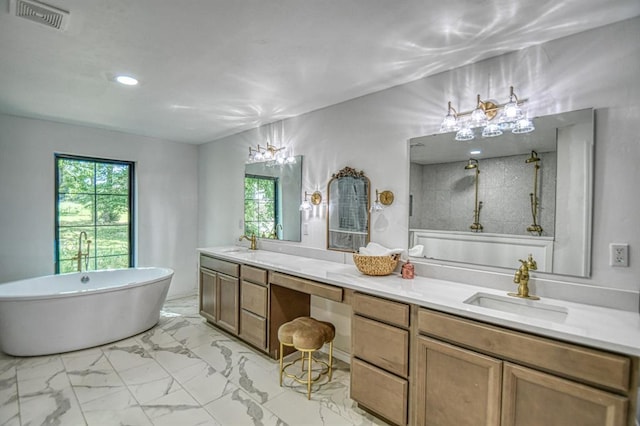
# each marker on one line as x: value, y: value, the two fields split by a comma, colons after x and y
x: 533, y: 158
x: 471, y: 164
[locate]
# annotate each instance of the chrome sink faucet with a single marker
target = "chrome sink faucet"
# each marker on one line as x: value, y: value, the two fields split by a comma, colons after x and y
x: 251, y: 239
x: 521, y: 278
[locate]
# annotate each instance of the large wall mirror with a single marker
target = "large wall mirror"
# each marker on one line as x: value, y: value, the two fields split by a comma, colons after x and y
x: 348, y: 217
x: 492, y: 201
x: 272, y: 200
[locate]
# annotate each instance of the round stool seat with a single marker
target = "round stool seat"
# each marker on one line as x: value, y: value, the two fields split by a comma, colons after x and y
x: 306, y: 333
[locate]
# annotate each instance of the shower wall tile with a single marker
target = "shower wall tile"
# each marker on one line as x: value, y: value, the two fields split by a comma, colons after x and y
x: 445, y: 195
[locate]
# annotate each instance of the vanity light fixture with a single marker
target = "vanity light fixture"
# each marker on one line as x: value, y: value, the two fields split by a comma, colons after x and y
x: 270, y: 153
x: 383, y: 199
x: 508, y: 116
x: 316, y: 199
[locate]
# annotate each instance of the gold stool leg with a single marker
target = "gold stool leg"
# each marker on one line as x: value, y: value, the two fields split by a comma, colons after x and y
x: 309, y: 377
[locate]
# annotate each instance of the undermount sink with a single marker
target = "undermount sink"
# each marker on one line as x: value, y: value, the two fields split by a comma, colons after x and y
x: 524, y: 307
x: 234, y: 250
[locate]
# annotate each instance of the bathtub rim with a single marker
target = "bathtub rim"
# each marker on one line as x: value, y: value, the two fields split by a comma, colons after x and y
x: 168, y: 274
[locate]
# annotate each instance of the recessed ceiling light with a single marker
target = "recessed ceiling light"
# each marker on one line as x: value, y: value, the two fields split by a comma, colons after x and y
x: 475, y: 152
x: 126, y: 80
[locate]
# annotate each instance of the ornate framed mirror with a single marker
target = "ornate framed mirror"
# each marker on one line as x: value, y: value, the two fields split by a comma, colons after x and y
x: 348, y: 195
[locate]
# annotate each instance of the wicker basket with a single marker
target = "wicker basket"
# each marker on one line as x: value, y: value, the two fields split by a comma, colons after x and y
x: 376, y: 265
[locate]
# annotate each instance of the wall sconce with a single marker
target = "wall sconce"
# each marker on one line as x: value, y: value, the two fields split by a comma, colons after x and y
x: 383, y: 199
x: 508, y: 116
x: 316, y: 199
x: 270, y: 153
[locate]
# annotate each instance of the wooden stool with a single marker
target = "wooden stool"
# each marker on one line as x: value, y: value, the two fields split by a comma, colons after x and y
x: 306, y: 335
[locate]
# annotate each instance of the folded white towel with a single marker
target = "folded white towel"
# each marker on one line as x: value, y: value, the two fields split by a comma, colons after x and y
x: 375, y: 249
x: 416, y: 250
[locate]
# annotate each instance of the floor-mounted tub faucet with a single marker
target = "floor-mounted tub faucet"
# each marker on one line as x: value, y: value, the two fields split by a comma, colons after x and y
x: 80, y: 255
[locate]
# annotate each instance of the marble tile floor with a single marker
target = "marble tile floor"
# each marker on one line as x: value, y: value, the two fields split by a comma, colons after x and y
x: 181, y: 372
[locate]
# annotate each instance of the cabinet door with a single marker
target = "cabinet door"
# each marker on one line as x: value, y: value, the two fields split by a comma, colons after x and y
x: 208, y: 289
x: 228, y: 302
x: 532, y: 398
x: 456, y: 386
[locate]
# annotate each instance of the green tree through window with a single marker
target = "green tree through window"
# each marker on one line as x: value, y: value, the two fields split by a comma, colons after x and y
x: 260, y: 202
x: 94, y: 196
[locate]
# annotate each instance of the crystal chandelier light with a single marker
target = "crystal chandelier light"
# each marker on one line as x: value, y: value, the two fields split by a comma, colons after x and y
x: 271, y: 154
x: 508, y: 117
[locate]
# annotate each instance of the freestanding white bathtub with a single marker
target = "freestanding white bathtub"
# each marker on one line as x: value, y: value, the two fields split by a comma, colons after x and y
x: 67, y: 312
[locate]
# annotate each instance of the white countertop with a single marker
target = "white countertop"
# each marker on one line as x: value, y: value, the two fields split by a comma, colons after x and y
x: 598, y: 327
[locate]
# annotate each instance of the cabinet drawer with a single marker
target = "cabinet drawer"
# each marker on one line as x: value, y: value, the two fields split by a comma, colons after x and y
x: 253, y: 329
x: 253, y: 298
x: 382, y: 345
x: 228, y: 268
x: 255, y: 275
x: 381, y: 309
x: 379, y: 391
x: 565, y: 359
x: 307, y: 286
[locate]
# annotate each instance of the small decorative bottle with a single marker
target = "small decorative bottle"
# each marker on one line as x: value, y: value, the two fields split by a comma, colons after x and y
x: 408, y: 271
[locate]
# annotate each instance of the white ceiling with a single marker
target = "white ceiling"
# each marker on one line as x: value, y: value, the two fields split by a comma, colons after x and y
x: 211, y: 68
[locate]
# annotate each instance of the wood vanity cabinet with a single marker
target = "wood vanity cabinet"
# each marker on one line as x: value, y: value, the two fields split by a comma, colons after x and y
x: 254, y: 298
x: 473, y: 373
x: 380, y: 356
x: 219, y: 292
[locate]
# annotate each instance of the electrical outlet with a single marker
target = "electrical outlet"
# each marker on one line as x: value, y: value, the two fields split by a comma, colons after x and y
x: 618, y: 254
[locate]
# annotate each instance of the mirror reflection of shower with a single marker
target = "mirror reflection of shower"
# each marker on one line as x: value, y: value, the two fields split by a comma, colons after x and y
x: 534, y: 228
x: 473, y: 164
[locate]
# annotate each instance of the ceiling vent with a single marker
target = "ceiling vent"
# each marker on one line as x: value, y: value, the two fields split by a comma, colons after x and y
x: 40, y: 13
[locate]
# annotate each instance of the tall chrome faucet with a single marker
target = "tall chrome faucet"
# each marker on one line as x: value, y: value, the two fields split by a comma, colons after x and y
x: 80, y: 255
x: 521, y: 278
